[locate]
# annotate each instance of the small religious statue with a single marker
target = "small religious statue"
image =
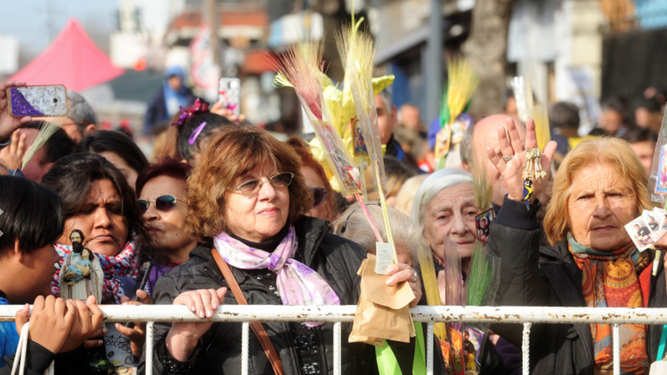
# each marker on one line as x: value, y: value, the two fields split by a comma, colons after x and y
x: 81, y: 274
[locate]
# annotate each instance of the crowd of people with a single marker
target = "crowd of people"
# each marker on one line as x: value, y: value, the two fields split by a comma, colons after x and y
x: 223, y: 212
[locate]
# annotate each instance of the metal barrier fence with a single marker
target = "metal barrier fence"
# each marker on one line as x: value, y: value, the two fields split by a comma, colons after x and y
x: 345, y: 314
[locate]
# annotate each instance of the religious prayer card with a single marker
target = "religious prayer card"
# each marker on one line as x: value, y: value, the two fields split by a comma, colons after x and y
x: 385, y: 257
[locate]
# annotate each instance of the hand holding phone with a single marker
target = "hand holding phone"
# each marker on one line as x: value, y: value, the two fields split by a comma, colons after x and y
x: 47, y: 101
x: 229, y: 94
x: 9, y: 123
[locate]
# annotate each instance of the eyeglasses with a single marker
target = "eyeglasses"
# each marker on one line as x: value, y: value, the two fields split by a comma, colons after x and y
x: 319, y: 196
x: 163, y: 203
x: 279, y: 180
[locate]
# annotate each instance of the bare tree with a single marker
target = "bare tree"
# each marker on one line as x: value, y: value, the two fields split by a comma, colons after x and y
x: 486, y: 48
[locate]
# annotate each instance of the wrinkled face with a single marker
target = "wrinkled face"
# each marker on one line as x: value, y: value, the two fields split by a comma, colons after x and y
x: 120, y: 163
x: 485, y: 134
x: 259, y: 216
x: 101, y: 220
x: 387, y: 119
x: 644, y: 151
x: 600, y: 205
x: 167, y: 227
x: 314, y: 181
x: 451, y: 213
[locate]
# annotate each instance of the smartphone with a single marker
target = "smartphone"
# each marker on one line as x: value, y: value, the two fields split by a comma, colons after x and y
x: 48, y: 101
x: 229, y: 93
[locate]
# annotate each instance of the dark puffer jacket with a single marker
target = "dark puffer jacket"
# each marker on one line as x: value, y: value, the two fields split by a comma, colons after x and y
x: 335, y: 259
x: 534, y: 275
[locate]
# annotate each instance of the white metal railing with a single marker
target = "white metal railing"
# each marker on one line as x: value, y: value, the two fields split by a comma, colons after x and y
x: 345, y: 314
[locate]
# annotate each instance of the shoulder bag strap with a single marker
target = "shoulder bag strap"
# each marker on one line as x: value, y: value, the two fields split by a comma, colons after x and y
x: 257, y: 327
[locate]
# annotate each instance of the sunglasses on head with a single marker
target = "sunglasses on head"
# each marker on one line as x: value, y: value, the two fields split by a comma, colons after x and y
x: 162, y: 203
x: 319, y: 196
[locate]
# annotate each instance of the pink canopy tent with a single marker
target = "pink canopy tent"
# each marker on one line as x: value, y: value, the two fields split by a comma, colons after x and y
x: 72, y: 60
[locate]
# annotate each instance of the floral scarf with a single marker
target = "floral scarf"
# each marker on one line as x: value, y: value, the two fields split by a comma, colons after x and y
x: 612, y: 280
x: 297, y: 283
x: 120, y: 271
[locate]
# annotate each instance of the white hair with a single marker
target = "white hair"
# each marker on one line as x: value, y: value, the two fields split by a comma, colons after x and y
x: 433, y: 184
x: 353, y: 225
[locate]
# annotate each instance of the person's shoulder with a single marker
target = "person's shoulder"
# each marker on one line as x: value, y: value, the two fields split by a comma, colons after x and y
x: 193, y: 267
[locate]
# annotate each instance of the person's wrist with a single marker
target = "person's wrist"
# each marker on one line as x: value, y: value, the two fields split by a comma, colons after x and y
x: 181, y: 344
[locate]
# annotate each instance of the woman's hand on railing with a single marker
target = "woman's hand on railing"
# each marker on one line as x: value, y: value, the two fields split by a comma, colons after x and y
x: 137, y: 333
x: 50, y: 321
x: 84, y: 325
x: 183, y: 337
x: 402, y: 272
x: 512, y: 169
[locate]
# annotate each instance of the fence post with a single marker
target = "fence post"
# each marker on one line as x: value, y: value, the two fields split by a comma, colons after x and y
x: 616, y: 339
x: 430, y: 343
x: 149, y: 348
x: 337, y: 343
x: 525, y: 348
x: 245, y: 337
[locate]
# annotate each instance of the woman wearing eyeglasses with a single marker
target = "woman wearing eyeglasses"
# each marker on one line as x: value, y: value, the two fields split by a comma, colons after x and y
x: 162, y: 190
x: 248, y: 199
x: 317, y: 182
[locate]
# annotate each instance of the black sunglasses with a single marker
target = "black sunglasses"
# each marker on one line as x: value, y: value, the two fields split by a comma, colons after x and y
x: 163, y: 203
x: 319, y: 196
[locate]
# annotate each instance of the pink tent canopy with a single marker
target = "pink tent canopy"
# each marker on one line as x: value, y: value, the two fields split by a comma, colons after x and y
x: 72, y: 60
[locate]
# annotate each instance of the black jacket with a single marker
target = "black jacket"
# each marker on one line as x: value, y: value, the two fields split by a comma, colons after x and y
x: 38, y: 359
x: 534, y: 275
x: 334, y: 258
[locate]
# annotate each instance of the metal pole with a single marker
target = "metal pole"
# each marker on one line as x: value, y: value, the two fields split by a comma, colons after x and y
x: 149, y: 348
x: 616, y: 342
x: 245, y: 348
x: 213, y: 21
x: 525, y: 348
x: 433, y: 73
x: 430, y: 350
x: 337, y: 343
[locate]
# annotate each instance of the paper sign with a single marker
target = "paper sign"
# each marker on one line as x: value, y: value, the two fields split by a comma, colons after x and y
x: 385, y: 257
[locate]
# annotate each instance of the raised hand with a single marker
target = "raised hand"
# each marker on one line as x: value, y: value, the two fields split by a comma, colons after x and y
x: 403, y: 272
x: 8, y: 123
x: 512, y: 170
x: 12, y: 155
x: 183, y: 337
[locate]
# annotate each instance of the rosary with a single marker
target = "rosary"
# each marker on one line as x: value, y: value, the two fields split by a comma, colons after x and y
x: 532, y: 171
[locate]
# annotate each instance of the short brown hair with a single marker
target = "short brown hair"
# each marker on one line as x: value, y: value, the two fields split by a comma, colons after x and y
x: 604, y: 150
x: 231, y: 154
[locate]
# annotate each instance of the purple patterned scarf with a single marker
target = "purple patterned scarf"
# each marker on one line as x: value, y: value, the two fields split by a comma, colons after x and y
x: 296, y: 282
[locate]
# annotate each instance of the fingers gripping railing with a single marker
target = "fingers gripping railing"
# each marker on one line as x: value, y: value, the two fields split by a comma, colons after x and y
x: 345, y: 314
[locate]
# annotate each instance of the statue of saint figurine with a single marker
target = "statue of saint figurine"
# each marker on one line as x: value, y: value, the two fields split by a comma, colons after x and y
x: 81, y: 274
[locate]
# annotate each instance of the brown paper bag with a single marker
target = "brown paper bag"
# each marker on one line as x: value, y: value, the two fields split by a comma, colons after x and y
x: 382, y: 311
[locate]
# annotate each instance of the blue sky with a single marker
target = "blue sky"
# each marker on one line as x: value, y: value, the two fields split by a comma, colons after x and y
x: 27, y: 19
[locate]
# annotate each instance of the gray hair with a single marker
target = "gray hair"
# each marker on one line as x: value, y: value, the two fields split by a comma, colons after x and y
x: 80, y: 111
x: 465, y: 149
x: 386, y: 96
x: 406, y: 196
x: 433, y: 184
x: 353, y: 225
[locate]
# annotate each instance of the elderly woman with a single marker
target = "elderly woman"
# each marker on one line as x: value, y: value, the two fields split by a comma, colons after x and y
x: 352, y: 224
x: 445, y: 207
x: 592, y: 260
x: 249, y: 196
x: 98, y: 201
